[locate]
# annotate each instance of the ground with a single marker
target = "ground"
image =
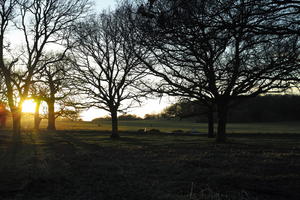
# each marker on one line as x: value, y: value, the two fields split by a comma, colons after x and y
x: 170, y: 126
x: 89, y: 165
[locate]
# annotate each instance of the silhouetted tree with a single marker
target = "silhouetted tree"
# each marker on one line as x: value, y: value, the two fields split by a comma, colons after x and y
x: 220, y: 52
x: 42, y: 23
x: 53, y: 85
x: 58, y: 82
x: 7, y: 15
x: 105, y: 66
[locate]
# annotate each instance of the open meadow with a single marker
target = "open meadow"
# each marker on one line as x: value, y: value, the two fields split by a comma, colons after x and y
x: 167, y: 126
x: 84, y: 163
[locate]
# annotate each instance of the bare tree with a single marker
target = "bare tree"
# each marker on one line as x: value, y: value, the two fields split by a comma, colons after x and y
x: 219, y: 52
x: 58, y: 83
x: 53, y: 85
x: 7, y: 14
x: 106, y: 68
x: 43, y: 24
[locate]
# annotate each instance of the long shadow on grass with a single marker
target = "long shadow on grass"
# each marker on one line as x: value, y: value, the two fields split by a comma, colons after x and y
x: 89, y: 165
x: 98, y: 170
x: 15, y: 147
x: 96, y: 141
x: 58, y: 143
x: 18, y: 162
x: 75, y: 142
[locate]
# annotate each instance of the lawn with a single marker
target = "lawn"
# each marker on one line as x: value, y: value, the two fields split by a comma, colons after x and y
x: 171, y: 125
x: 88, y: 165
x: 186, y: 126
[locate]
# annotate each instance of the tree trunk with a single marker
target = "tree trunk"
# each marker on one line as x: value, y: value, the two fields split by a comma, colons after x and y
x: 16, y: 118
x: 16, y: 111
x: 51, y: 116
x: 37, y: 119
x: 210, y: 117
x: 222, y: 120
x: 114, y: 125
x: 3, y: 116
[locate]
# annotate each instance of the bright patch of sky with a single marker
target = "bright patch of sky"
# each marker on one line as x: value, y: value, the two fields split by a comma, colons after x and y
x: 152, y: 106
x: 105, y: 4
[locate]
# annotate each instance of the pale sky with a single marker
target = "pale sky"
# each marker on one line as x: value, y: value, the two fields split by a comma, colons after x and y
x: 152, y: 106
x: 105, y: 4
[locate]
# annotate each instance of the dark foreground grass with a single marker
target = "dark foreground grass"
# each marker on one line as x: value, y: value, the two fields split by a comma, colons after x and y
x: 88, y: 165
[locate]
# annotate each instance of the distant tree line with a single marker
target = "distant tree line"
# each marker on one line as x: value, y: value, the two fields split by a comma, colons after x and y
x: 269, y: 108
x: 121, y: 117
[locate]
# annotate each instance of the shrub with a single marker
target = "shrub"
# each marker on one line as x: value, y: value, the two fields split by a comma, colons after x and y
x: 178, y: 131
x: 153, y: 131
x: 141, y: 131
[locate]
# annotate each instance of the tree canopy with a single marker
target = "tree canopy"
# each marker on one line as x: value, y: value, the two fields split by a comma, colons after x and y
x: 220, y: 52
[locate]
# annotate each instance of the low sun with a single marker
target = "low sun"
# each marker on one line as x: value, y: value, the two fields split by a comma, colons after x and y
x: 28, y: 106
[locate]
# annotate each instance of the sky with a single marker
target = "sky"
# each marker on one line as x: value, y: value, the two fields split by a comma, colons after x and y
x: 104, y: 4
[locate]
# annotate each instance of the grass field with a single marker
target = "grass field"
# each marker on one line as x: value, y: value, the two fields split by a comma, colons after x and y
x: 80, y: 161
x: 171, y: 125
x: 88, y: 165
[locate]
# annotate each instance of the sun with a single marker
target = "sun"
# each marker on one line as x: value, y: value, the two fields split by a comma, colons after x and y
x: 28, y: 106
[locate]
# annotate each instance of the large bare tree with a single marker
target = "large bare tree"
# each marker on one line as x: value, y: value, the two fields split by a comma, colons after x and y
x: 106, y: 68
x: 7, y: 15
x: 43, y: 24
x: 55, y: 88
x: 220, y: 52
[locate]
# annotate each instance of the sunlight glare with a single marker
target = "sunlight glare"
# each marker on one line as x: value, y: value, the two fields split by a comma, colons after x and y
x: 28, y: 106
